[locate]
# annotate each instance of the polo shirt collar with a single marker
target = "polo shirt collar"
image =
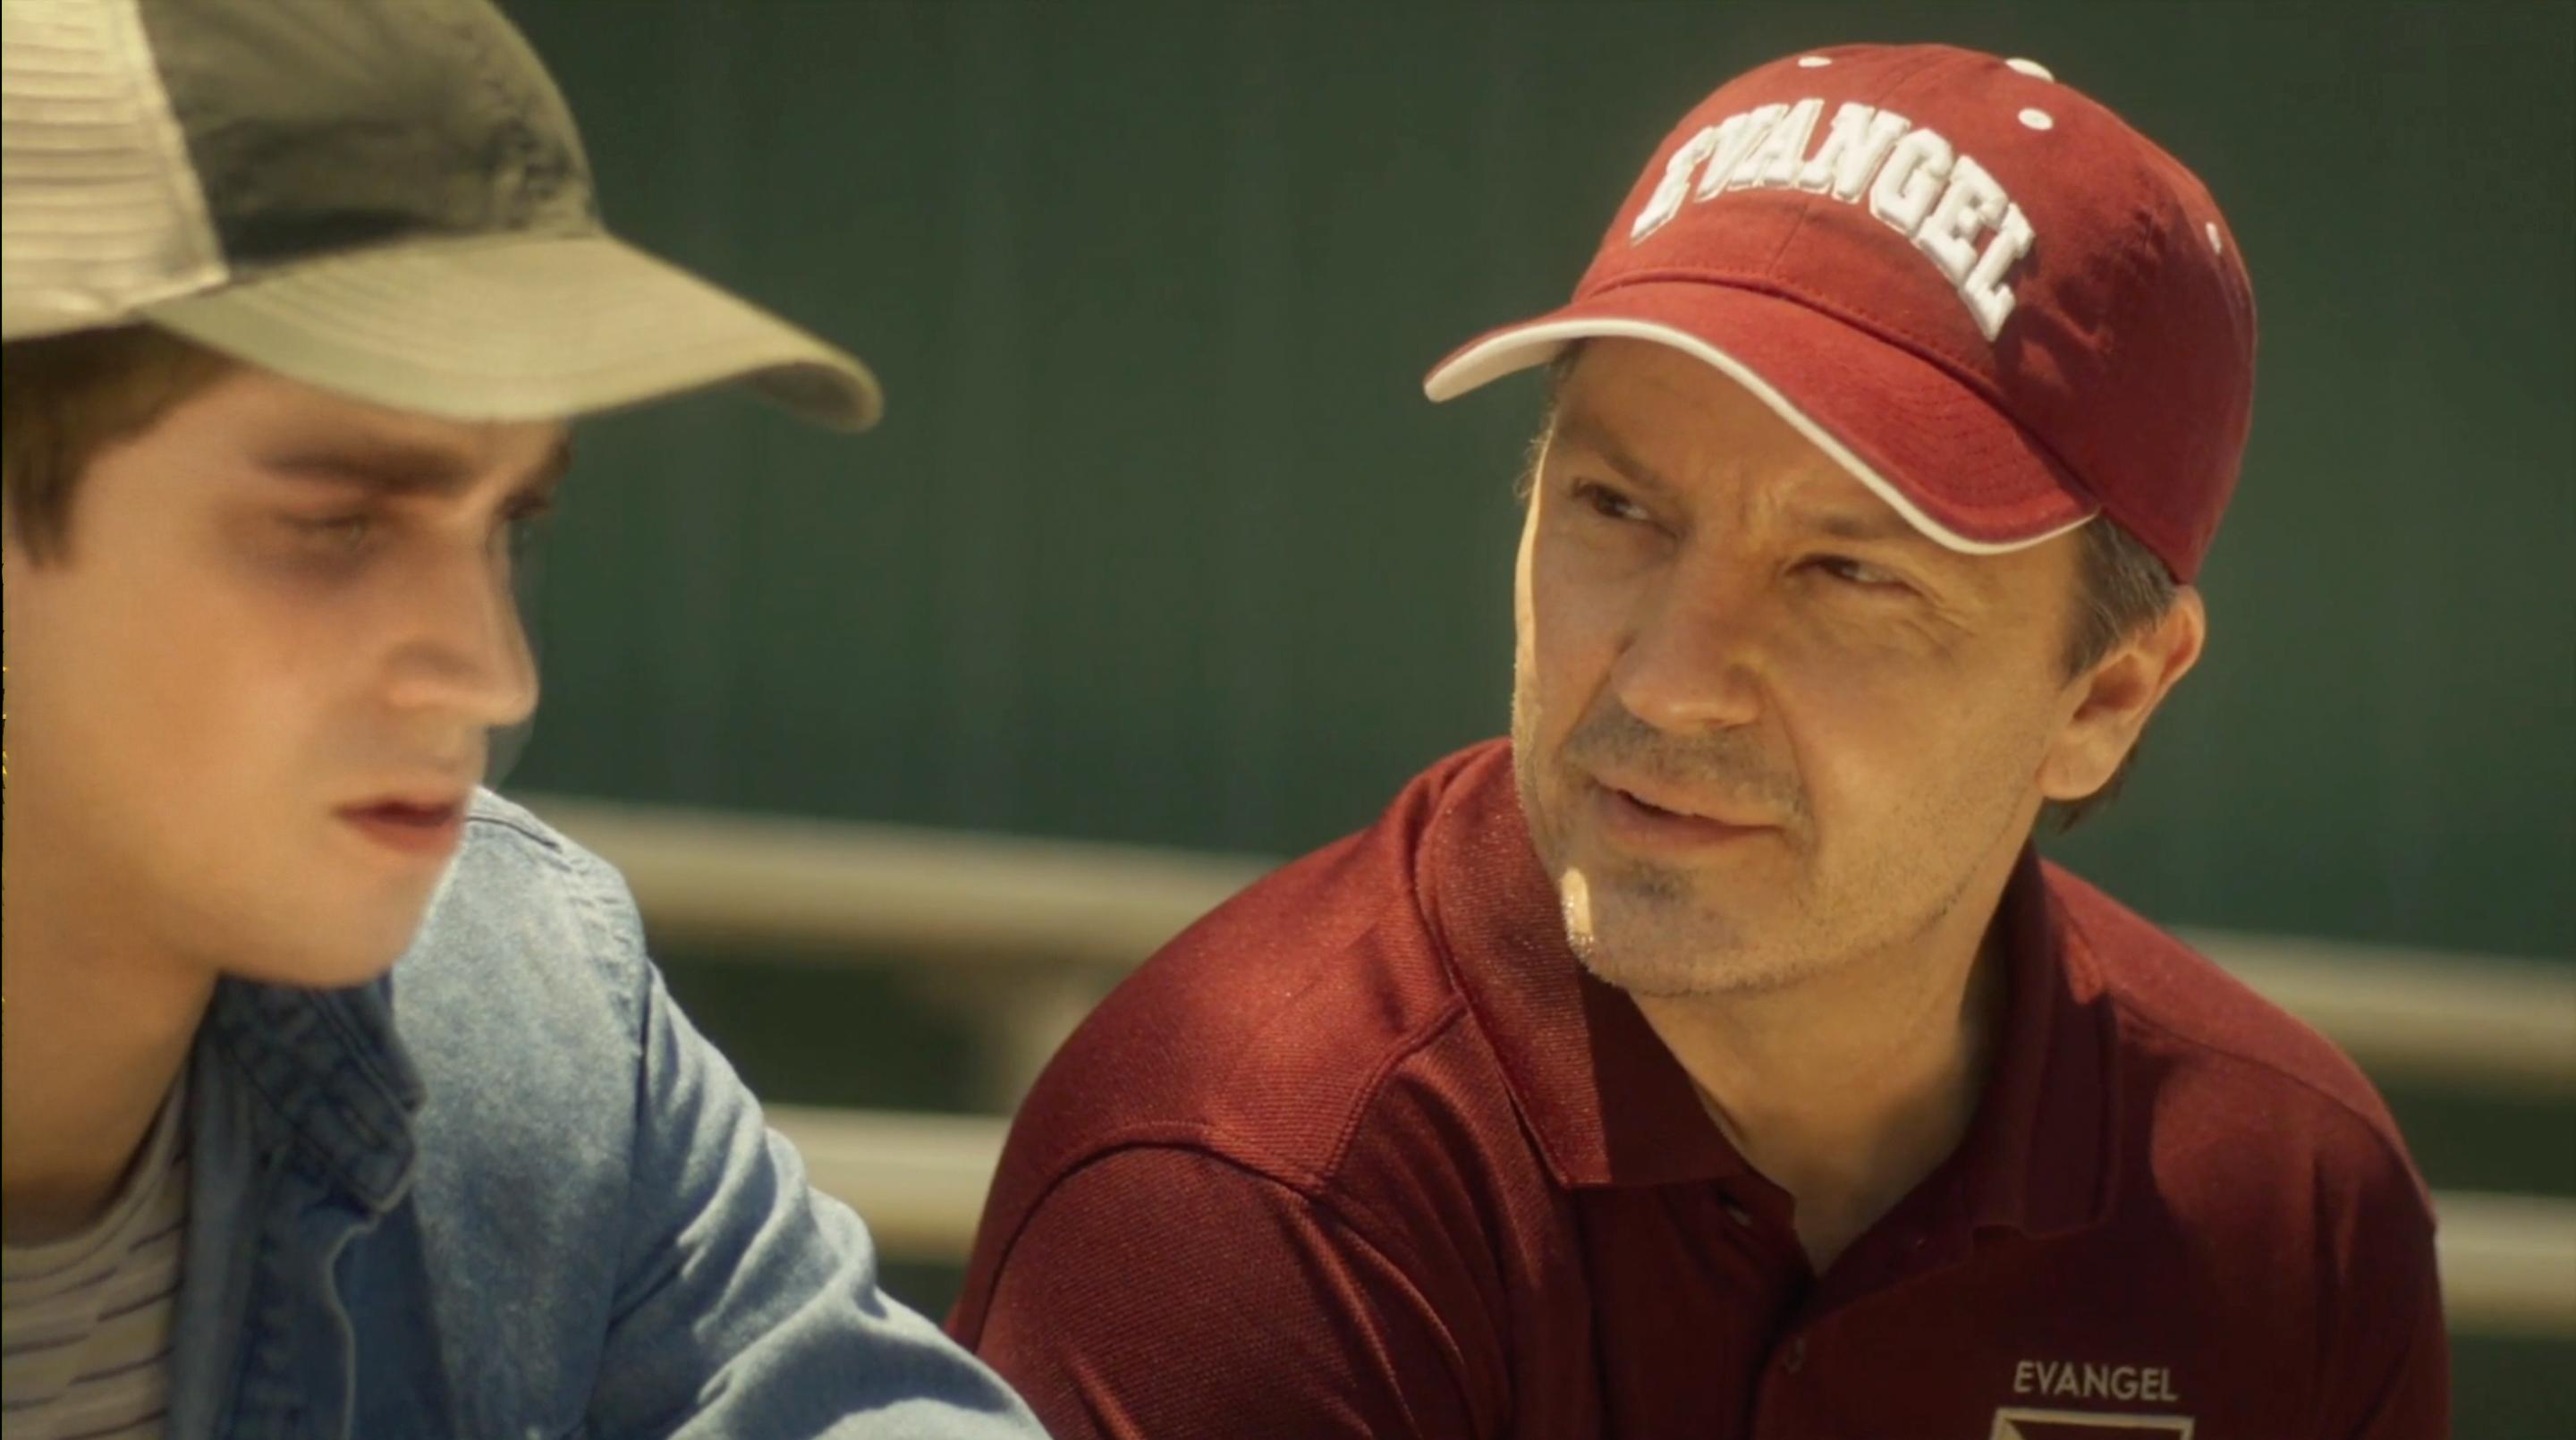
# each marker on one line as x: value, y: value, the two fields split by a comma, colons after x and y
x: 2040, y: 1156
x: 1609, y: 1106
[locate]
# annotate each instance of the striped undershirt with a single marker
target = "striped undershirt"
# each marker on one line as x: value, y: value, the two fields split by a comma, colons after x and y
x: 85, y: 1322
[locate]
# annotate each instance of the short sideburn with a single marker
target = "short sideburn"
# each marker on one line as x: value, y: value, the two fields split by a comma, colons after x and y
x: 64, y: 398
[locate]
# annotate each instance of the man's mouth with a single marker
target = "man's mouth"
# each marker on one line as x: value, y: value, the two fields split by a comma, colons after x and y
x: 1660, y: 824
x: 410, y: 827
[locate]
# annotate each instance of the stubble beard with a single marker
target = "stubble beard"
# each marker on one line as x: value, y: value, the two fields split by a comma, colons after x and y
x: 1647, y: 928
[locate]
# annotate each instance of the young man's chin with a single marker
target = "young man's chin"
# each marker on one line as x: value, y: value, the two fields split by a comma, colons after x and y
x: 335, y: 953
x: 353, y: 922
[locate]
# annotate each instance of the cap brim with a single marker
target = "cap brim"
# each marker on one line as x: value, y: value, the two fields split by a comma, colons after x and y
x: 1918, y: 437
x: 530, y: 327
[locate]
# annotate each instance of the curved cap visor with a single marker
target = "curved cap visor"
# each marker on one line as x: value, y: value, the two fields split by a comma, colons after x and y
x: 519, y: 328
x: 1918, y: 437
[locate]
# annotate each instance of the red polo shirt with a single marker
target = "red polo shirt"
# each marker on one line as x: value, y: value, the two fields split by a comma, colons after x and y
x: 1366, y: 1152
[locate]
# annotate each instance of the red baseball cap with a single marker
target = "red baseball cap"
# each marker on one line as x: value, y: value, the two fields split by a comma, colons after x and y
x: 1997, y: 305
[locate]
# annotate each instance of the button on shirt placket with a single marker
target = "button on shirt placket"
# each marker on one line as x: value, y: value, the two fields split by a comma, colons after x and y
x: 1763, y: 1226
x: 1778, y: 1409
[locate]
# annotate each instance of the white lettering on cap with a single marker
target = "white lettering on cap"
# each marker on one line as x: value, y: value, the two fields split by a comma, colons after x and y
x: 1855, y: 145
x: 1909, y: 184
x: 1773, y: 162
x: 1984, y: 289
x: 1915, y: 180
x: 1666, y: 202
x: 1733, y: 139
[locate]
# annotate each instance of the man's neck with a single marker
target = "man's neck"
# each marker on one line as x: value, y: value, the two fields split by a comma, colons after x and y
x: 97, y: 1029
x: 1848, y: 1088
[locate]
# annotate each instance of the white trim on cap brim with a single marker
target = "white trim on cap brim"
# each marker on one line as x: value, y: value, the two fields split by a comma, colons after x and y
x: 1500, y: 354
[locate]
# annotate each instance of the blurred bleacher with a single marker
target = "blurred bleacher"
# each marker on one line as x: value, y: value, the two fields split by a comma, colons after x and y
x: 1053, y: 923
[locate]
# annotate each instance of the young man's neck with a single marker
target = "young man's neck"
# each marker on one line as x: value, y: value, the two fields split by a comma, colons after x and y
x: 1848, y: 1088
x: 98, y: 1029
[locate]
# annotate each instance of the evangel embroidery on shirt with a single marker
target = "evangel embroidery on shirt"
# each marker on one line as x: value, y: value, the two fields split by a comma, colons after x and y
x: 2089, y: 1380
x: 2070, y: 1380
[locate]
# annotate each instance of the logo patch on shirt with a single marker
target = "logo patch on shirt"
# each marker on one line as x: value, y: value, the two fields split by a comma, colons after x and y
x: 2014, y: 1423
x: 2062, y: 1380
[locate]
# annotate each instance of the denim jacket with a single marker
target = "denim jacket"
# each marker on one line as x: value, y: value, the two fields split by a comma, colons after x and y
x: 508, y: 1191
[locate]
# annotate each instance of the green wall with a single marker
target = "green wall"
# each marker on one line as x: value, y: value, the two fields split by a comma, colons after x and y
x: 1160, y: 541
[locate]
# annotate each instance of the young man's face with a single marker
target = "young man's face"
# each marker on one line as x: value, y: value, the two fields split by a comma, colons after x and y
x: 1762, y: 725
x: 250, y: 697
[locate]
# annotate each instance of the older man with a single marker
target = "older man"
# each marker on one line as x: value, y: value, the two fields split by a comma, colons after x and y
x: 1716, y: 1058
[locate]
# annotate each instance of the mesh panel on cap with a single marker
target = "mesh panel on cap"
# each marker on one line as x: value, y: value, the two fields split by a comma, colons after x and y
x: 99, y: 209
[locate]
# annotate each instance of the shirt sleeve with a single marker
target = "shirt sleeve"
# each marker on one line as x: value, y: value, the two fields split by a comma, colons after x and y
x: 747, y: 1304
x: 1167, y: 1293
x: 2390, y: 1376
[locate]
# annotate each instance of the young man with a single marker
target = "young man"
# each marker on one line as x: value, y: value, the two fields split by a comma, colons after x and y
x: 342, y: 1099
x: 1717, y: 1058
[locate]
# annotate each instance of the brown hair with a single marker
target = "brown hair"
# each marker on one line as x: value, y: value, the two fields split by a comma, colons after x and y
x: 63, y: 398
x: 2123, y: 589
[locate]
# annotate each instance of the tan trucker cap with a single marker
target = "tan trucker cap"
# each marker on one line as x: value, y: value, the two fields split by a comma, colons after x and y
x: 384, y: 198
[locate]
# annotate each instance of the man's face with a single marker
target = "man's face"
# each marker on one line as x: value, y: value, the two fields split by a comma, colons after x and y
x: 1763, y: 727
x: 249, y: 700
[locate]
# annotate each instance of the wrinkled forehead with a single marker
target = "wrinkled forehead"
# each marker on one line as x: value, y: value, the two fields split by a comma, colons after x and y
x: 1668, y: 424
x: 1676, y: 360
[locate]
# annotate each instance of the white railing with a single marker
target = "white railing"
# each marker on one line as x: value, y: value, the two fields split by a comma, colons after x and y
x: 828, y: 889
x: 2508, y: 1261
x: 1068, y: 916
x: 833, y: 886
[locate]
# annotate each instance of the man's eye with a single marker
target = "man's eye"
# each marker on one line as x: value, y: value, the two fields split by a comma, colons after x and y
x: 336, y: 532
x: 1606, y: 502
x: 1859, y: 574
x: 524, y: 520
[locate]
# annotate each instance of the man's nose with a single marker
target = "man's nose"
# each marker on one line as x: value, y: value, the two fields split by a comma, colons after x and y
x: 1694, y: 660
x: 466, y: 653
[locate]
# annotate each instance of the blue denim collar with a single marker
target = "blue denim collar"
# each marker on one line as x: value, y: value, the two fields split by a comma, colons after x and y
x: 328, y: 1069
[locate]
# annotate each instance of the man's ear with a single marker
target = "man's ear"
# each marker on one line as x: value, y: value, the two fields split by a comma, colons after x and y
x: 2111, y: 703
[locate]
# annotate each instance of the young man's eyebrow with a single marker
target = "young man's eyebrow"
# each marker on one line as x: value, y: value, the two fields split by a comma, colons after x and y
x: 396, y: 467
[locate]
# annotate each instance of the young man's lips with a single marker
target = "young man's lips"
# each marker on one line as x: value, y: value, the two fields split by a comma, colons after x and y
x: 412, y: 828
